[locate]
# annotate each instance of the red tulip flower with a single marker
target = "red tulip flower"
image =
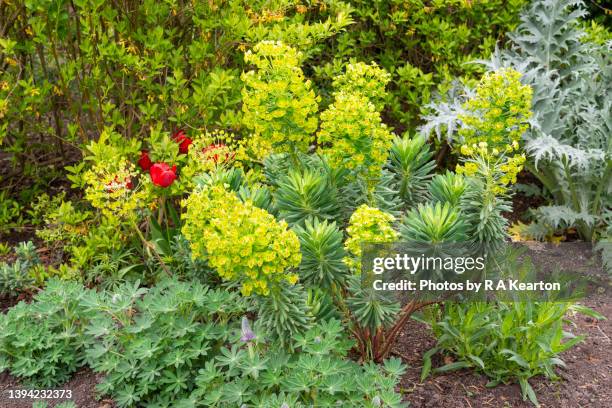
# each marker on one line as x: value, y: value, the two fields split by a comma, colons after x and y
x: 162, y: 175
x: 145, y: 162
x: 181, y: 138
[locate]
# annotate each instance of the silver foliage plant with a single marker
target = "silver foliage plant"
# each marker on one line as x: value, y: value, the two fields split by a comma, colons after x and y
x: 569, y: 142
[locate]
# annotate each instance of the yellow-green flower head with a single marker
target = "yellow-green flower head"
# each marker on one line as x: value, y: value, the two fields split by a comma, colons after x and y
x: 354, y: 135
x: 497, y: 117
x: 367, y: 225
x: 112, y: 189
x: 242, y: 242
x: 498, y: 113
x: 279, y: 104
x: 368, y: 80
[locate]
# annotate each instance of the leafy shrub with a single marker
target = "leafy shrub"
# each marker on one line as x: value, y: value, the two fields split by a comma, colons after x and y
x: 44, y: 342
x: 423, y: 44
x: 483, y: 204
x: 134, y: 66
x: 245, y: 244
x: 506, y: 341
x: 151, y: 343
x: 264, y: 375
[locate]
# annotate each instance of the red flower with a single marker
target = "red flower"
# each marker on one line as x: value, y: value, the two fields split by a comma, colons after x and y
x: 162, y: 175
x: 181, y: 138
x: 213, y: 151
x: 145, y: 162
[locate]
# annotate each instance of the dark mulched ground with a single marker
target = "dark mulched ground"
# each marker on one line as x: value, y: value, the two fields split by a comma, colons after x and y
x: 586, y: 382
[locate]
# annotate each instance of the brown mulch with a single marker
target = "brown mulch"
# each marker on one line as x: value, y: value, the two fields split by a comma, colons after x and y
x: 82, y: 385
x: 586, y: 382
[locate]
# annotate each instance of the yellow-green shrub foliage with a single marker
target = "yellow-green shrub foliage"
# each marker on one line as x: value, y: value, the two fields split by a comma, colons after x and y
x: 354, y: 136
x: 278, y: 103
x: 496, y: 119
x: 368, y: 80
x: 367, y: 225
x: 242, y: 242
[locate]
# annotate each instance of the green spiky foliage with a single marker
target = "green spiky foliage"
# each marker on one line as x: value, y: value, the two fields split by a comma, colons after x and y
x: 260, y: 196
x: 433, y: 223
x: 305, y: 194
x: 233, y: 177
x: 410, y: 160
x: 322, y: 254
x: 371, y: 309
x: 284, y: 312
x: 482, y: 210
x: 447, y: 188
x: 321, y: 305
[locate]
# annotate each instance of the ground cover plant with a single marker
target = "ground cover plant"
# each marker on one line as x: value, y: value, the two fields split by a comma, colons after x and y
x: 194, y: 184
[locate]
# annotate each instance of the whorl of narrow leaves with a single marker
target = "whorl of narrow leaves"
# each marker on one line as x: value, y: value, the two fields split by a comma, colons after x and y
x: 322, y: 254
x: 371, y: 308
x: 305, y: 194
x: 482, y: 208
x: 433, y: 223
x: 284, y: 313
x: 447, y: 188
x: 279, y: 104
x: 410, y: 160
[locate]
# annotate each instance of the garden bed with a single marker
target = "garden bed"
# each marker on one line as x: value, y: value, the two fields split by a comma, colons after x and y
x: 585, y: 382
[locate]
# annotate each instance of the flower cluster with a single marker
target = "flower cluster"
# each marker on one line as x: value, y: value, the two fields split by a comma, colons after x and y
x: 367, y: 225
x: 212, y: 150
x: 242, y: 242
x: 112, y: 190
x: 496, y: 119
x: 353, y: 135
x: 508, y: 166
x: 499, y: 111
x: 368, y: 80
x: 279, y: 105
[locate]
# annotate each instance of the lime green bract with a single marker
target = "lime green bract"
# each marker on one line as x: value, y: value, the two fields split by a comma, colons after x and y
x: 242, y: 242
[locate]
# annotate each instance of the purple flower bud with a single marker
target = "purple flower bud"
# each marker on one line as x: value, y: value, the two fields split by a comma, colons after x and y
x: 285, y: 405
x: 376, y: 401
x: 247, y: 333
